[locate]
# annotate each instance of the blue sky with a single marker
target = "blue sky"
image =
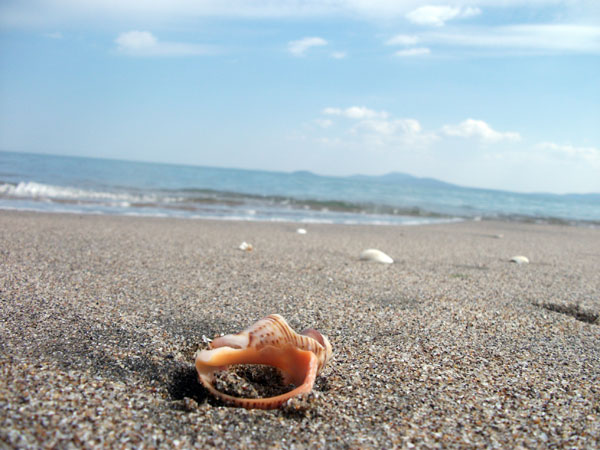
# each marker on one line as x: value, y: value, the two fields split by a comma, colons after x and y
x: 488, y: 93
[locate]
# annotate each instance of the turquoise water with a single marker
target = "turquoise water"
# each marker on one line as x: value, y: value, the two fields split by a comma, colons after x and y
x: 100, y: 186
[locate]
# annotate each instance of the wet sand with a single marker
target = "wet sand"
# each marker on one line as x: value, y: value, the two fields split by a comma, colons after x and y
x: 450, y: 346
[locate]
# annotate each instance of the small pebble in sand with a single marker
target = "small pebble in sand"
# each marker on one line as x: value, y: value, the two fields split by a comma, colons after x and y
x: 246, y: 247
x: 301, y: 231
x: 372, y: 254
x: 520, y: 259
x: 189, y: 404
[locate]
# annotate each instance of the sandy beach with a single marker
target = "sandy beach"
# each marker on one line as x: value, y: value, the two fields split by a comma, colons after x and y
x: 452, y: 346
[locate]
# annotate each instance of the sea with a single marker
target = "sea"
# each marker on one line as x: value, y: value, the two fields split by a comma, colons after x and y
x: 78, y: 185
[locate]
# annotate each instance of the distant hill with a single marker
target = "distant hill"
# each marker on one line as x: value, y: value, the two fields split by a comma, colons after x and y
x: 305, y: 173
x: 592, y: 196
x: 406, y: 179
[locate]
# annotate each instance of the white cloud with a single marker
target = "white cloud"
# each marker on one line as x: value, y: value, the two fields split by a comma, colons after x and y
x: 380, y: 142
x: 570, y: 36
x: 379, y: 122
x: 546, y: 166
x: 144, y: 43
x: 436, y: 16
x: 402, y: 39
x: 478, y: 129
x: 138, y: 12
x: 391, y: 127
x: 338, y: 55
x: 356, y: 112
x: 536, y: 38
x: 417, y: 51
x: 299, y: 47
x: 376, y: 129
x: 407, y: 40
x: 587, y: 154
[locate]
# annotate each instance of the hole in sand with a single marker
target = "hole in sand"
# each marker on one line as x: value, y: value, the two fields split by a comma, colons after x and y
x: 574, y: 311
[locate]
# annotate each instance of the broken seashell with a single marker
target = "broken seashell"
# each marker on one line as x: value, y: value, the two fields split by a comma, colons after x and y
x: 271, y: 342
x: 520, y: 259
x: 373, y: 254
x: 301, y: 231
x: 246, y: 247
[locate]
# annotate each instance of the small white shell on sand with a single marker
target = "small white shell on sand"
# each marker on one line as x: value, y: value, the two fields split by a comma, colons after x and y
x: 520, y: 259
x: 301, y: 231
x: 245, y: 246
x: 372, y: 254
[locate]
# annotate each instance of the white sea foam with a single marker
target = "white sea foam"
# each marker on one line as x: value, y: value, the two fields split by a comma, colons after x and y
x: 40, y: 191
x: 36, y: 196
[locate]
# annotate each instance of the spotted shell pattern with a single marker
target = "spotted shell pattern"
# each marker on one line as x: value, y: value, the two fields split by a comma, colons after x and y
x: 274, y: 331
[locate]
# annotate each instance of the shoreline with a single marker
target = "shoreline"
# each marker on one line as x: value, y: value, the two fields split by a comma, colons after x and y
x: 452, y: 345
x: 429, y: 218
